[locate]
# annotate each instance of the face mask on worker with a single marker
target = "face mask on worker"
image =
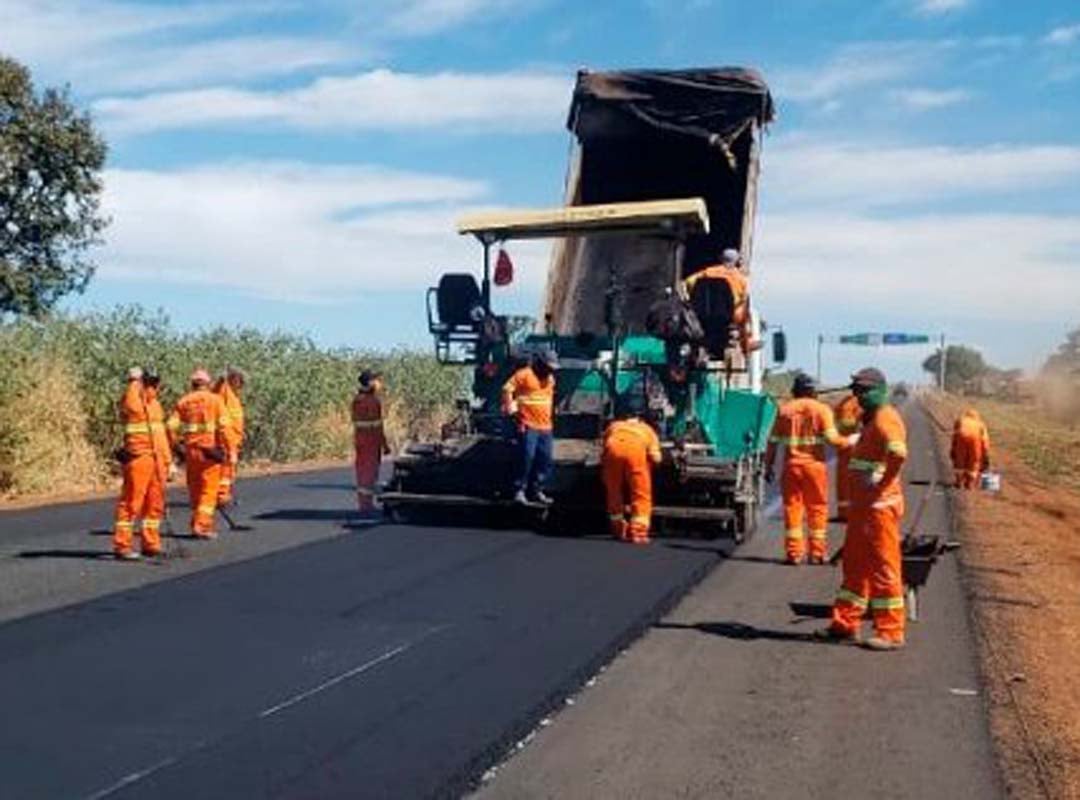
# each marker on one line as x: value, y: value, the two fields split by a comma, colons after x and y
x: 873, y: 399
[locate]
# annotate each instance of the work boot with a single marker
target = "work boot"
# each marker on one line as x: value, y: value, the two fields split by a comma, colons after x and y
x: 791, y: 561
x: 881, y: 644
x: 520, y: 498
x: 818, y: 560
x: 835, y: 636
x: 127, y: 555
x: 540, y: 497
x: 207, y: 535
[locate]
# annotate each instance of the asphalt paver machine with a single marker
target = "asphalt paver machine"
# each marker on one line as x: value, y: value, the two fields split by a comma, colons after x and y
x: 663, y: 178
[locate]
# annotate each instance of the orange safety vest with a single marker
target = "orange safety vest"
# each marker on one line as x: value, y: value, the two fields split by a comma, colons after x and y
x: 367, y: 415
x: 532, y: 398
x: 884, y: 435
x: 623, y: 435
x: 736, y: 281
x: 233, y: 420
x: 197, y: 419
x: 144, y: 422
x: 804, y: 426
x: 848, y: 415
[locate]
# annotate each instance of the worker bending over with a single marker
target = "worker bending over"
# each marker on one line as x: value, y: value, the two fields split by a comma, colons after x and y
x: 970, y: 451
x: 145, y: 460
x: 802, y: 429
x: 229, y: 387
x: 195, y: 426
x: 720, y: 296
x: 369, y: 438
x: 873, y: 567
x: 631, y: 449
x: 848, y: 415
x: 529, y: 397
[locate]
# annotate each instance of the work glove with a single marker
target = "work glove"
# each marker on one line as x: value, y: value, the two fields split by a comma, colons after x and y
x: 853, y: 440
x: 871, y: 480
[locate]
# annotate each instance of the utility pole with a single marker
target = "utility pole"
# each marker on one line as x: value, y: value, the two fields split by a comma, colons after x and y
x: 941, y: 364
x: 820, y: 342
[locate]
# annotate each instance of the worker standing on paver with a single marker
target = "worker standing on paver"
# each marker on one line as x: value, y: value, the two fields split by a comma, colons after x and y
x: 970, y: 451
x: 229, y: 387
x: 369, y: 438
x: 145, y: 458
x: 529, y: 397
x: 631, y: 449
x: 195, y: 427
x: 712, y: 309
x: 873, y: 566
x: 803, y: 427
x: 848, y: 415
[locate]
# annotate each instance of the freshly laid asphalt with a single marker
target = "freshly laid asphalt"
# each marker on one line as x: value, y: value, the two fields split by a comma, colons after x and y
x: 392, y: 661
x: 311, y: 658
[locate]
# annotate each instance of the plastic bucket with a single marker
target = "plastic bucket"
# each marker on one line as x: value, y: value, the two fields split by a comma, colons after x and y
x: 990, y: 481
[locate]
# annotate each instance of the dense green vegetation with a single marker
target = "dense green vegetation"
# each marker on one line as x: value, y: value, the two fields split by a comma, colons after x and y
x: 63, y: 376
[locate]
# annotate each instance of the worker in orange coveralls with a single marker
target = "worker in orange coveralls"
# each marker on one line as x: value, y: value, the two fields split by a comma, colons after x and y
x: 848, y: 417
x: 970, y: 450
x: 728, y: 272
x: 529, y: 397
x: 369, y: 439
x: 196, y: 427
x: 229, y: 387
x: 631, y: 449
x: 802, y: 428
x: 146, y: 459
x: 873, y: 568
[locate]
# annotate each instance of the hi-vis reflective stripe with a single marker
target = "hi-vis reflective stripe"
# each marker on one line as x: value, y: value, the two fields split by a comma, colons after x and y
x: 151, y: 523
x: 887, y: 603
x: 123, y: 524
x: 795, y: 533
x: 208, y: 510
x: 897, y: 447
x: 799, y: 441
x: 850, y: 597
x: 638, y: 519
x: 366, y: 424
x: 535, y: 399
x: 616, y: 517
x: 198, y: 427
x: 133, y: 428
x: 819, y: 535
x: 889, y: 502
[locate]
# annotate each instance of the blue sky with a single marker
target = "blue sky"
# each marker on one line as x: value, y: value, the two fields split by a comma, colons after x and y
x: 300, y: 165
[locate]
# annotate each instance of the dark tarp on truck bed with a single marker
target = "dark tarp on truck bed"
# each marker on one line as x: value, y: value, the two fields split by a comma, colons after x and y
x: 701, y: 103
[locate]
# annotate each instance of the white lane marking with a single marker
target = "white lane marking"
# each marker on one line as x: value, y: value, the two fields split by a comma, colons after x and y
x: 351, y: 673
x: 135, y: 777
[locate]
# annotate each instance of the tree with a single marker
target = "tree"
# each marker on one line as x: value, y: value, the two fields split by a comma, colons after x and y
x: 962, y: 366
x: 1066, y: 361
x: 50, y: 194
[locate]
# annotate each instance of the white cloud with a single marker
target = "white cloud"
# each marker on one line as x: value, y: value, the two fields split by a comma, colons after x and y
x: 931, y: 99
x: 110, y: 46
x: 291, y: 231
x: 427, y: 17
x: 1013, y: 267
x: 937, y: 7
x: 1065, y: 35
x: 857, y: 66
x: 376, y: 100
x: 803, y: 173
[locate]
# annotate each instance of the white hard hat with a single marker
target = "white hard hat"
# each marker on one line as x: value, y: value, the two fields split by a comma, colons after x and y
x: 730, y: 256
x: 135, y: 374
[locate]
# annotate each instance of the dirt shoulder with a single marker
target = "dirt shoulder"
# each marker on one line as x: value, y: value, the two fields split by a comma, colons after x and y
x: 1021, y: 565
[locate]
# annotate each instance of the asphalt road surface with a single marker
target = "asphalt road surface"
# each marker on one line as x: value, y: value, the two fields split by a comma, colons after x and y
x: 393, y: 661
